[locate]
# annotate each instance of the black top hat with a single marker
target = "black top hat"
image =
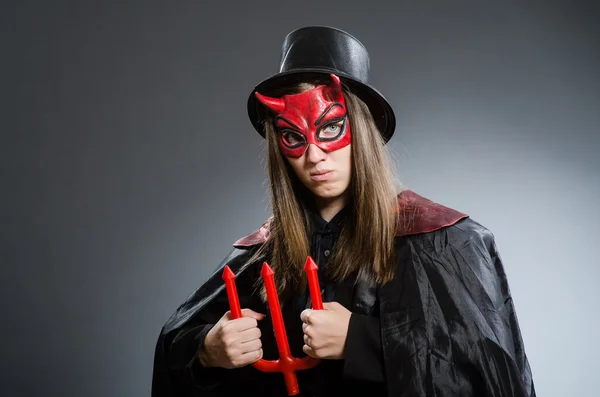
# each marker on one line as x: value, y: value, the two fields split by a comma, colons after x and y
x: 315, y: 52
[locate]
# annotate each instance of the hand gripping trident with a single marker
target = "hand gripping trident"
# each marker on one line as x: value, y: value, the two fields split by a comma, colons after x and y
x: 286, y: 364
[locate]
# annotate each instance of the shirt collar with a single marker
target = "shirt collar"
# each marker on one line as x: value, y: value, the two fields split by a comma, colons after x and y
x: 335, y: 225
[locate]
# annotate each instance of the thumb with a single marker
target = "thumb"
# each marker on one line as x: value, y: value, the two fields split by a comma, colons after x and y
x: 253, y: 314
x: 334, y: 306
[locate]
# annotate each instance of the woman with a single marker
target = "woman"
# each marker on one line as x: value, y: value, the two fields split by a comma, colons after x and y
x: 416, y: 299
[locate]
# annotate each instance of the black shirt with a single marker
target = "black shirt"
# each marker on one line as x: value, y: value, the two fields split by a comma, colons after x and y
x: 362, y: 367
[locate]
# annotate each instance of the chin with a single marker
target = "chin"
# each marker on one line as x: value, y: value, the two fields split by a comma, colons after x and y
x: 328, y: 193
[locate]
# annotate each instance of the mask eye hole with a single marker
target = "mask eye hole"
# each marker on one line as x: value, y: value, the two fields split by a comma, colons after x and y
x: 292, y: 139
x: 332, y: 130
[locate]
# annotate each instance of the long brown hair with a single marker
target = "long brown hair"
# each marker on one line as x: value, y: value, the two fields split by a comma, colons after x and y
x: 366, y: 243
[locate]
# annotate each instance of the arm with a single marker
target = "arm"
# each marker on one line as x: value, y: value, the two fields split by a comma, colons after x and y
x: 177, y: 369
x: 203, y: 376
x: 493, y: 351
x: 363, y: 358
x: 448, y: 321
x: 517, y: 370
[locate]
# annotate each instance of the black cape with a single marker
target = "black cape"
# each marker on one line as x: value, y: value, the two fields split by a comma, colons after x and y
x: 448, y: 323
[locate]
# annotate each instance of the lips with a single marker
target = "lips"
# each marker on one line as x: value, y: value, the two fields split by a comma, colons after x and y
x: 320, y: 176
x: 319, y: 172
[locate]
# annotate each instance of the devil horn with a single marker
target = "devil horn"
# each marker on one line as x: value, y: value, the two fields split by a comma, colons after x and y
x: 334, y: 89
x: 275, y: 104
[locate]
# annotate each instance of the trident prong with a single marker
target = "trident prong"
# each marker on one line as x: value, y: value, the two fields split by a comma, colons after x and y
x: 286, y: 364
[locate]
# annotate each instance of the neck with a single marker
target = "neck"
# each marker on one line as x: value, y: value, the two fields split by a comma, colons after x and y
x: 328, y: 208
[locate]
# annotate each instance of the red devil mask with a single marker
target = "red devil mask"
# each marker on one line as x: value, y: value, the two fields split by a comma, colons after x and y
x: 317, y: 117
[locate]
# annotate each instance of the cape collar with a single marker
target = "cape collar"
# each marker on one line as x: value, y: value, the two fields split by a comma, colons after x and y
x: 417, y: 215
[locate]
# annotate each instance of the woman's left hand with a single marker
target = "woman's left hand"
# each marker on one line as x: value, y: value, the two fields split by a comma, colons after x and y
x: 325, y: 331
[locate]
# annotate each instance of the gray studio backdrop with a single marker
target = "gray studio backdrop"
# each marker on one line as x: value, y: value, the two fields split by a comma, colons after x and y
x: 129, y: 166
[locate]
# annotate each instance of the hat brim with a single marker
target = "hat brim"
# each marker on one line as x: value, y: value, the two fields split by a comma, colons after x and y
x: 380, y: 108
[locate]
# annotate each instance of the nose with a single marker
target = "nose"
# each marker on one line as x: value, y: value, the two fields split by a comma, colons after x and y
x: 314, y: 154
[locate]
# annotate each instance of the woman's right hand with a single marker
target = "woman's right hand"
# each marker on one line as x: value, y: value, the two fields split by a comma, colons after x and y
x: 233, y: 343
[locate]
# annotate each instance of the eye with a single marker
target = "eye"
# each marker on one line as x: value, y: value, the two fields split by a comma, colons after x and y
x: 292, y: 138
x: 332, y: 130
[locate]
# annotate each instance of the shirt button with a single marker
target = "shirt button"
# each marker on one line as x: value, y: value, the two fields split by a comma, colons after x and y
x: 326, y: 253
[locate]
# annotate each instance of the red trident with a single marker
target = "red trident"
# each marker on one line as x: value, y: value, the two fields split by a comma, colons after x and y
x: 286, y: 364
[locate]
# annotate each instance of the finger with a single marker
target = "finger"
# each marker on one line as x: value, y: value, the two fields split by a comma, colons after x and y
x: 251, y: 346
x: 252, y: 357
x: 227, y: 316
x: 309, y: 351
x: 305, y: 327
x: 251, y: 313
x: 334, y: 306
x: 308, y: 330
x: 306, y: 340
x: 249, y: 335
x: 239, y: 324
x: 247, y: 358
x: 305, y: 315
x: 312, y: 343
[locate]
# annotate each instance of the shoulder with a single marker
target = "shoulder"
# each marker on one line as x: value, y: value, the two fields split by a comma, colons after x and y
x: 256, y: 238
x: 459, y: 257
x: 463, y: 253
x: 417, y: 214
x: 437, y: 230
x: 469, y: 231
x: 461, y: 233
